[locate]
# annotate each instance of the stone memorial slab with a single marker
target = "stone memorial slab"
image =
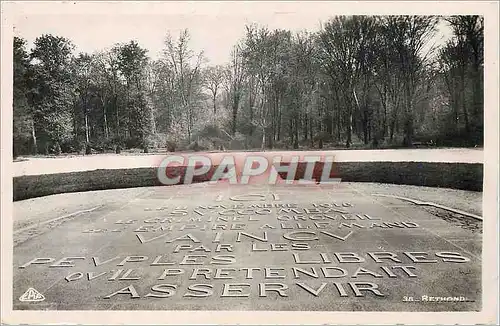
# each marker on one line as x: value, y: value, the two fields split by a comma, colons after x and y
x: 254, y: 247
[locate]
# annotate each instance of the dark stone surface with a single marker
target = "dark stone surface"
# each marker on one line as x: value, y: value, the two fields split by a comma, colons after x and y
x: 120, y: 225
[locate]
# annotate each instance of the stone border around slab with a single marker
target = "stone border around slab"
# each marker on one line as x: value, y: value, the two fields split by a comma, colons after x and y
x: 427, y: 203
x: 464, y: 176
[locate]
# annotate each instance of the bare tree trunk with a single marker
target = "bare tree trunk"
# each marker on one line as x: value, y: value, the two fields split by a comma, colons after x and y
x: 127, y: 97
x: 251, y: 119
x: 251, y: 103
x: 458, y: 98
x: 106, y: 129
x: 86, y: 127
x: 263, y: 145
x: 339, y: 126
x: 349, y: 128
x: 153, y: 120
x: 311, y: 125
x: 384, y: 121
x: 115, y: 104
x: 365, y: 127
x: 215, y: 104
x: 296, y: 131
x: 235, y: 116
x: 365, y: 118
x: 33, y: 136
x: 464, y: 106
x: 332, y: 133
x: 189, y: 125
x: 279, y: 125
x: 393, y: 126
x: 306, y: 124
x: 408, y: 120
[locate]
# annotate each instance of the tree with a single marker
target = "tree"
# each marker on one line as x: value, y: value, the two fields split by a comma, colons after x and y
x: 234, y: 76
x: 357, y: 81
x: 51, y: 90
x: 23, y: 127
x: 185, y: 79
x: 410, y: 35
x: 302, y: 83
x: 132, y: 63
x: 462, y: 69
x: 262, y: 58
x: 388, y: 81
x: 214, y: 77
x: 341, y: 46
x: 84, y: 88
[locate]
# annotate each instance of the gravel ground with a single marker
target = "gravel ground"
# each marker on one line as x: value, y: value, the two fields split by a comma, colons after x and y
x: 460, y: 220
x: 36, y: 210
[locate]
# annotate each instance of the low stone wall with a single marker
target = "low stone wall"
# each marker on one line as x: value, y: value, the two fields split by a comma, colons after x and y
x: 445, y: 175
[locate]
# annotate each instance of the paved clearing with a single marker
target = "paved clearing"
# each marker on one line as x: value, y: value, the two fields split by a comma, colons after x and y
x: 255, y: 247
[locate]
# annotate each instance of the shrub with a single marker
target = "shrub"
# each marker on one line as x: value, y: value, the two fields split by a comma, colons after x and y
x: 194, y: 146
x: 158, y: 140
x: 57, y: 148
x: 281, y: 144
x: 171, y: 145
x: 132, y: 142
x: 88, y: 149
x: 72, y: 146
x: 102, y: 145
x: 210, y: 131
x: 22, y: 145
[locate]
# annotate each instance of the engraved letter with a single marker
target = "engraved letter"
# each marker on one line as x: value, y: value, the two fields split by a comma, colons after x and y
x: 74, y: 276
x: 452, y: 257
x: 223, y: 273
x: 234, y: 290
x: 274, y: 273
x: 311, y: 290
x: 275, y: 287
x: 204, y: 290
x: 372, y: 287
x: 168, y: 289
x: 38, y: 261
x: 171, y: 272
x: 66, y: 262
x: 191, y: 260
x: 419, y: 257
x: 127, y: 290
x: 293, y: 236
x: 378, y: 256
x: 132, y: 259
x: 349, y: 257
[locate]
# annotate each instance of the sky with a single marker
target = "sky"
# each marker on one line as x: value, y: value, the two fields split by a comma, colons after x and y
x: 214, y: 27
